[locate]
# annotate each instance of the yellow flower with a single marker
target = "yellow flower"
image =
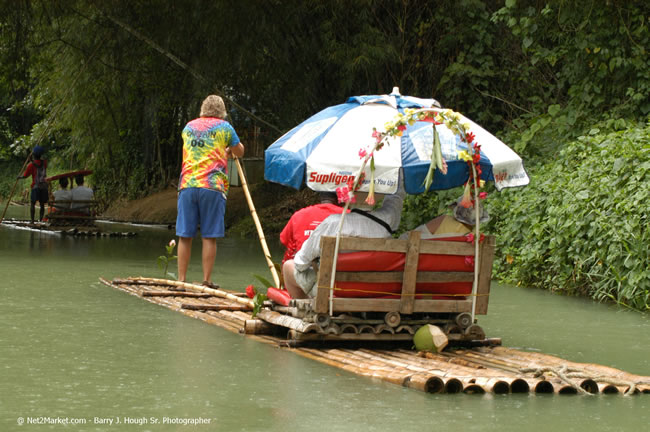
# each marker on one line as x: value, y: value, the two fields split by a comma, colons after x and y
x: 481, y: 183
x: 465, y: 156
x: 466, y: 127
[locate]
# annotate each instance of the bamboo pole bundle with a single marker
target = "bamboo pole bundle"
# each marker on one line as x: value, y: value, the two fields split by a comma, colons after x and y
x: 257, y: 326
x: 287, y: 321
x: 243, y: 314
x: 585, y: 384
x: 381, y: 370
x: 471, y: 387
x: 222, y: 321
x: 425, y: 382
x: 599, y: 373
x: 496, y: 370
x: 164, y: 301
x: 607, y: 388
x: 200, y: 288
x: 175, y: 294
x: 514, y: 381
x: 393, y: 376
x: 455, y: 380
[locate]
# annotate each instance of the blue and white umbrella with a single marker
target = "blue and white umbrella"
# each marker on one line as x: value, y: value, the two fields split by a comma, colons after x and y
x: 323, y: 151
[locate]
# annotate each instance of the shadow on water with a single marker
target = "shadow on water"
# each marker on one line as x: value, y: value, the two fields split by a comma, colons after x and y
x: 74, y: 348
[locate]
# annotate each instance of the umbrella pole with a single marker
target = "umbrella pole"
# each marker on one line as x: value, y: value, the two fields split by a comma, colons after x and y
x: 336, y: 256
x: 258, y: 225
x: 477, y: 238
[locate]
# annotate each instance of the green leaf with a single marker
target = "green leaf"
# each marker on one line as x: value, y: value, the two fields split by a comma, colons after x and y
x: 264, y: 281
x: 553, y: 110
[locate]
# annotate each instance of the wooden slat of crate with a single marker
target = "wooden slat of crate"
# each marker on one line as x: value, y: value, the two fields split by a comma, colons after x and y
x: 390, y: 305
x: 485, y: 274
x: 410, y: 273
x: 422, y: 276
x: 321, y: 304
x: 392, y: 245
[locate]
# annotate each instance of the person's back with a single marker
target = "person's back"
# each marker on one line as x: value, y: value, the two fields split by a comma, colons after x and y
x: 62, y: 196
x: 461, y: 222
x: 37, y: 169
x: 305, y: 221
x: 300, y: 278
x: 81, y: 196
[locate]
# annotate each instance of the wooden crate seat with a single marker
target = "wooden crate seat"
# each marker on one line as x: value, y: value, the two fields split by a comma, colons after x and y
x: 408, y: 276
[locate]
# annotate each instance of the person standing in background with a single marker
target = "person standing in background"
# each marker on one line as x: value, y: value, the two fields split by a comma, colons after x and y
x: 208, y: 142
x: 37, y: 168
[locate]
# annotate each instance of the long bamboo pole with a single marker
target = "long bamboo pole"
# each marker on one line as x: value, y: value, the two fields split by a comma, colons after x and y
x: 200, y: 288
x: 258, y: 225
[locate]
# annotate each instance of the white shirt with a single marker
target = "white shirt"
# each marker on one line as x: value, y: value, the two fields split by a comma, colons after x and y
x: 64, y: 196
x: 81, y: 193
x: 354, y: 225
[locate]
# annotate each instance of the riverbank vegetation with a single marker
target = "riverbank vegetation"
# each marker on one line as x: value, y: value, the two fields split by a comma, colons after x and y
x: 108, y: 86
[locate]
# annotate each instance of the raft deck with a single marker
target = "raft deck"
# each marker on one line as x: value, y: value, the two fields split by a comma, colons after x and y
x: 64, y: 230
x: 470, y: 370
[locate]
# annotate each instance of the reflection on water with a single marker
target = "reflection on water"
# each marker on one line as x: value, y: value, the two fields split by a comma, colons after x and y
x: 72, y: 347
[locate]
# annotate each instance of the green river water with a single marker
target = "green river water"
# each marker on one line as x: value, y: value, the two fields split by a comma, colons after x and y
x: 73, y: 350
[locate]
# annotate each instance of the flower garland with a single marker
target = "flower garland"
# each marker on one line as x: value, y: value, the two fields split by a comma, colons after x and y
x: 396, y: 128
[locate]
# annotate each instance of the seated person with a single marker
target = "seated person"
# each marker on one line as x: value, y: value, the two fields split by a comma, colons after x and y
x: 63, y: 196
x: 299, y: 274
x: 303, y: 222
x: 81, y: 196
x: 461, y: 223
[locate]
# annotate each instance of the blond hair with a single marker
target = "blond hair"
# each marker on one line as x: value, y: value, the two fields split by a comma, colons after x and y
x: 213, y: 106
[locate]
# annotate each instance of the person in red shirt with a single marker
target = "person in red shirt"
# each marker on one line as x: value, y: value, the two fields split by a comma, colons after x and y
x: 37, y: 168
x: 304, y: 222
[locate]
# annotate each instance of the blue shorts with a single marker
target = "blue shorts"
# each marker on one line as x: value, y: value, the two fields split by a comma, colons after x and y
x: 204, y: 207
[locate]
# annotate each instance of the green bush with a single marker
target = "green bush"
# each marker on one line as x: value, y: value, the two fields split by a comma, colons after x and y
x: 9, y: 170
x: 582, y: 225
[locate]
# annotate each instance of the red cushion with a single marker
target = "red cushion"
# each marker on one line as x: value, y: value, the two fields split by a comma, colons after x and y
x: 394, y: 261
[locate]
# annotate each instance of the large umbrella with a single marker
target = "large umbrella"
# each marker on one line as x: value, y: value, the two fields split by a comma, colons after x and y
x: 323, y: 151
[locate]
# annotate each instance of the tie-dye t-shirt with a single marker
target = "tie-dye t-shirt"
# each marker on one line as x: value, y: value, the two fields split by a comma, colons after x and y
x: 205, y: 140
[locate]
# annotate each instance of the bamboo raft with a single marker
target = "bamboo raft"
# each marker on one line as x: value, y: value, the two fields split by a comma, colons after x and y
x: 69, y: 229
x: 474, y: 370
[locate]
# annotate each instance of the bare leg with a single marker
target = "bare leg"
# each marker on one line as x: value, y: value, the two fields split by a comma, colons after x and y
x: 32, y: 210
x: 209, y: 252
x: 184, y: 254
x: 42, y: 211
x: 290, y: 281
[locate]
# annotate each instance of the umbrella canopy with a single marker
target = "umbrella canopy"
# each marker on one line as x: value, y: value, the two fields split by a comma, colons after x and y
x: 323, y: 151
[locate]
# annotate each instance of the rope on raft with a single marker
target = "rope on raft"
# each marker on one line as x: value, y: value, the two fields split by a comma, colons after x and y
x: 564, y: 373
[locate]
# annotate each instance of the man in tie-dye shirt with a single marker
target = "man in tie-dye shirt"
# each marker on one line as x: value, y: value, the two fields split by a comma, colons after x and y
x: 208, y: 142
